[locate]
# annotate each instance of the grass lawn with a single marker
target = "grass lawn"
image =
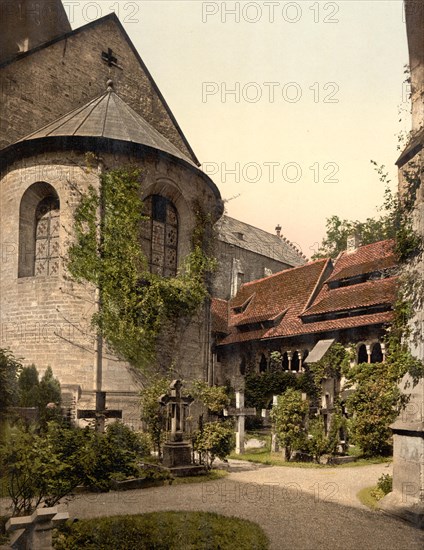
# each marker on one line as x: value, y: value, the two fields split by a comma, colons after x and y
x: 366, y: 498
x: 212, y: 475
x: 162, y: 531
x: 265, y: 456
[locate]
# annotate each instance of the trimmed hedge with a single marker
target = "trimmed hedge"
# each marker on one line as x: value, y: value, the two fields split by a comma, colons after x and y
x: 162, y: 531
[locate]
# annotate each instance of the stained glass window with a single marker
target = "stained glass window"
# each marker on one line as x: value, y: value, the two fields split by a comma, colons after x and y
x: 160, y: 235
x: 47, y: 226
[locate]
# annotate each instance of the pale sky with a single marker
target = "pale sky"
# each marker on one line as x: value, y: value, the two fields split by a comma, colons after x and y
x: 317, y: 91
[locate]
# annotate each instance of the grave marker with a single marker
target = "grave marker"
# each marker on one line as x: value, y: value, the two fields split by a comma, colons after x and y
x: 240, y: 413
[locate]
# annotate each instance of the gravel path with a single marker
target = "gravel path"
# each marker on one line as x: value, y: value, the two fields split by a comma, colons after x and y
x: 298, y: 508
x: 337, y: 485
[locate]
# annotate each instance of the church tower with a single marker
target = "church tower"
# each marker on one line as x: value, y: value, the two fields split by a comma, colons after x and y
x: 27, y: 24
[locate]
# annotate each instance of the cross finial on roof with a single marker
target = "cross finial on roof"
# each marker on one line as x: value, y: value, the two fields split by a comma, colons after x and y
x: 110, y: 58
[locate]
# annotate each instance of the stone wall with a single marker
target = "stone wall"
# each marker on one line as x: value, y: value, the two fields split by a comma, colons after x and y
x: 232, y: 260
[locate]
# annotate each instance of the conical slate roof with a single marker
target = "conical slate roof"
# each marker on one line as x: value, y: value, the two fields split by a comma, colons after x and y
x: 108, y: 117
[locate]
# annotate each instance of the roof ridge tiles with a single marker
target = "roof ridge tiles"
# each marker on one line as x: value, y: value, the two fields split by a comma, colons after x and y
x: 288, y: 270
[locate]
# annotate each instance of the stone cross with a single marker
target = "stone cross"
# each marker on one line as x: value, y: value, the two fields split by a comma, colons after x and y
x: 35, y: 531
x: 240, y: 413
x: 100, y: 413
x: 177, y: 406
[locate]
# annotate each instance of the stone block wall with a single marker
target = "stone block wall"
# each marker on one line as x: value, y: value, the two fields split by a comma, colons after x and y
x: 250, y: 264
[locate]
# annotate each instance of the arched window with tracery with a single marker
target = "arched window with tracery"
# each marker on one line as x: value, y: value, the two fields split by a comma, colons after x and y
x: 39, y: 232
x: 47, y: 226
x: 160, y: 235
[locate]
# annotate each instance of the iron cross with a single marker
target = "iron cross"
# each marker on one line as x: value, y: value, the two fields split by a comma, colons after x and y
x: 110, y: 59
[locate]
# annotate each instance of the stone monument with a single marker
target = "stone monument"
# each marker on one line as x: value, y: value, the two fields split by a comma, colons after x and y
x: 177, y: 453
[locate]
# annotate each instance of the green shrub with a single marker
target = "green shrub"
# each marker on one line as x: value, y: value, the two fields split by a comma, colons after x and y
x: 9, y: 394
x: 36, y: 470
x: 3, y: 537
x: 214, y: 398
x: 288, y: 417
x: 162, y: 531
x: 214, y: 440
x: 43, y: 394
x: 385, y: 483
x: 260, y: 387
x: 374, y: 406
x: 41, y: 468
x: 318, y: 443
x: 153, y: 413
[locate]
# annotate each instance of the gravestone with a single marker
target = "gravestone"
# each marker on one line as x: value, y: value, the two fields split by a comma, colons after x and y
x: 240, y: 413
x: 35, y: 532
x: 177, y: 453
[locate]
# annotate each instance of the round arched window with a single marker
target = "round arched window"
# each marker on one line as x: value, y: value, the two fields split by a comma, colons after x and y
x: 160, y: 235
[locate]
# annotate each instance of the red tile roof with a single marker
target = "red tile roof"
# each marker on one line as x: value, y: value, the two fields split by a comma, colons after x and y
x: 219, y: 311
x: 383, y: 318
x: 346, y: 298
x: 287, y: 291
x: 284, y: 301
x: 366, y: 259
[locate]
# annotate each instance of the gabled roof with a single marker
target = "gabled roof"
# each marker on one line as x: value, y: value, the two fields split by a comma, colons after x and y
x: 110, y: 17
x: 299, y: 301
x: 354, y: 297
x: 365, y: 259
x: 257, y: 240
x: 278, y: 299
x: 109, y: 117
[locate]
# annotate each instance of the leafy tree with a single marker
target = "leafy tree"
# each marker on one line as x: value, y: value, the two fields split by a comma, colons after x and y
x: 9, y: 371
x: 44, y: 394
x: 318, y: 443
x: 152, y: 412
x: 29, y: 384
x: 214, y: 398
x: 134, y: 304
x: 338, y: 230
x: 215, y: 440
x: 288, y: 417
x: 50, y: 397
x: 374, y: 405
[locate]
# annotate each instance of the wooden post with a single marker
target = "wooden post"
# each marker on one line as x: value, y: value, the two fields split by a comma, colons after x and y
x: 100, y: 413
